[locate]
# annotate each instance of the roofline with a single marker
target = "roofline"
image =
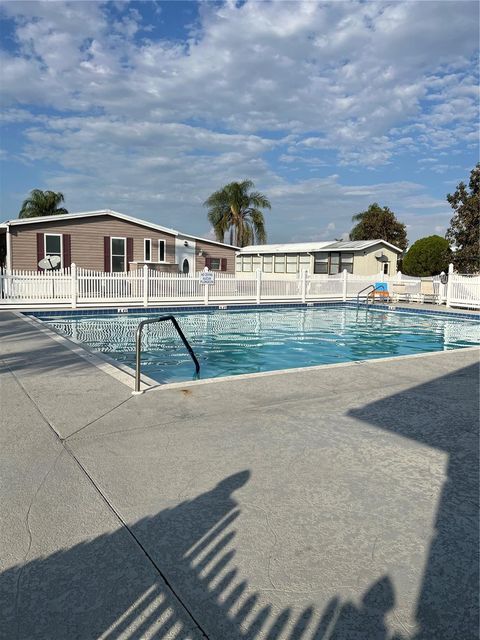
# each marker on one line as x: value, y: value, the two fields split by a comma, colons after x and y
x: 221, y: 244
x: 115, y: 214
x: 314, y: 247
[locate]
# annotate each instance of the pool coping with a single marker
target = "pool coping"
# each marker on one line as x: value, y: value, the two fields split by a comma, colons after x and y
x: 126, y: 374
x: 467, y: 313
x: 121, y: 372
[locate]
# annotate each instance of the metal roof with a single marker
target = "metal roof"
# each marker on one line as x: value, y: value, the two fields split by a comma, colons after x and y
x: 311, y: 247
x: 292, y: 247
x: 359, y: 245
x: 108, y: 212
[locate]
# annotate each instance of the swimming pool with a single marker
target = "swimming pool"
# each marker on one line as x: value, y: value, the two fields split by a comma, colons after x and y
x: 233, y: 342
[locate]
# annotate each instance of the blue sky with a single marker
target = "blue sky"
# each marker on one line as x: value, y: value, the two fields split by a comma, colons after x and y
x: 146, y: 108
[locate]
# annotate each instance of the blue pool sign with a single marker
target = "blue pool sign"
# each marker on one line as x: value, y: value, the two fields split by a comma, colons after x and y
x: 207, y: 277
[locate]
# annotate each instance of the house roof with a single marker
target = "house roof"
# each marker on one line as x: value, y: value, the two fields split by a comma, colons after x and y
x: 310, y: 247
x: 360, y: 245
x: 297, y: 247
x: 108, y: 212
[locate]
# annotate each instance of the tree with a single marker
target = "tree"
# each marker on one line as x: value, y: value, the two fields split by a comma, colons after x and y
x: 427, y: 257
x: 237, y: 210
x: 463, y: 233
x: 379, y: 223
x: 42, y: 203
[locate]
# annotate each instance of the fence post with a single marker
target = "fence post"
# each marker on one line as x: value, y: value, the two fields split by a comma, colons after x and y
x: 206, y: 292
x: 344, y: 286
x: 145, y: 285
x: 399, y: 275
x: 442, y: 288
x: 304, y: 285
x: 259, y: 285
x: 449, y: 285
x: 73, y: 285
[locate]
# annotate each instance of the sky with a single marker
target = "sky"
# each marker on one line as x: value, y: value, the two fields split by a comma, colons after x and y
x: 147, y: 108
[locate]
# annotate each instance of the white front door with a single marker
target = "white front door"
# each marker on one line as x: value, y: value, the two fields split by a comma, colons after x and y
x: 185, y: 254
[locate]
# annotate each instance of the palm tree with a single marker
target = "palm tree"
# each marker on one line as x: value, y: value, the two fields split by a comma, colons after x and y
x: 42, y: 203
x: 236, y: 210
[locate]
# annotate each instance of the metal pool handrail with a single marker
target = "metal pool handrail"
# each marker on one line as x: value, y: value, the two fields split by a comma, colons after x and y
x: 373, y: 287
x: 138, y: 346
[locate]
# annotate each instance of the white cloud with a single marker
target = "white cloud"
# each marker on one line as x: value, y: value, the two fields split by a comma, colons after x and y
x: 143, y: 122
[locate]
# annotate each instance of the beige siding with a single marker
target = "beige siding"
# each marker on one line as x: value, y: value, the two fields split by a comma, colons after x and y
x: 87, y: 241
x: 367, y: 264
x: 212, y: 250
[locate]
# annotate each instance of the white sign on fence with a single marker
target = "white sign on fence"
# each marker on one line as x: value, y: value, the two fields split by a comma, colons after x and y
x: 207, y: 277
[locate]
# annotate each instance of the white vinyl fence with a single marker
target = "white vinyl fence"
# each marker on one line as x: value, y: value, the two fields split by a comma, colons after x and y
x: 464, y: 291
x: 77, y: 287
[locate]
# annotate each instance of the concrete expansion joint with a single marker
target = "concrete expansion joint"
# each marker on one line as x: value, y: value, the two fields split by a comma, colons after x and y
x: 63, y: 441
x: 30, y: 537
x: 124, y: 525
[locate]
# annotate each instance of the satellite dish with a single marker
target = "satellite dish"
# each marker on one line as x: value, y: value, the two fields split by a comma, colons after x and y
x: 49, y: 262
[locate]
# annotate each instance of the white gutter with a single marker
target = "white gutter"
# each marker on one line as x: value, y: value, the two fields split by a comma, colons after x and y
x: 9, y: 249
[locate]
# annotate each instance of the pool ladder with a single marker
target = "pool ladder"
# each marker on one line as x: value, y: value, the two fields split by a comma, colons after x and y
x: 373, y: 289
x: 138, y: 347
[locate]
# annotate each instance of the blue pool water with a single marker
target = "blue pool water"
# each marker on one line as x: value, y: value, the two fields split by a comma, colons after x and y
x: 247, y: 341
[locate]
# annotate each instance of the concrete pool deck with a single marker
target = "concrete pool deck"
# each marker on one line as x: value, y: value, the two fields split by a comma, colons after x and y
x: 319, y: 504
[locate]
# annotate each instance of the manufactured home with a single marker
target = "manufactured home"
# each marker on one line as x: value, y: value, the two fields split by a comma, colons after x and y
x: 363, y: 257
x: 108, y: 241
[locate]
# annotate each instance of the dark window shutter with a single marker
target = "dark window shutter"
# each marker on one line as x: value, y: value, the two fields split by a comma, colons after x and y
x: 129, y: 252
x: 40, y: 249
x: 67, y: 250
x: 223, y: 264
x: 208, y: 262
x: 106, y: 254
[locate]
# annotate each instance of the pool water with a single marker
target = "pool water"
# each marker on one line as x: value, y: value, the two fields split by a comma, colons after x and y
x: 248, y: 341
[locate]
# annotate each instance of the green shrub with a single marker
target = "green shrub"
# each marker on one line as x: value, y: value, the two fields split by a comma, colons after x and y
x: 427, y: 257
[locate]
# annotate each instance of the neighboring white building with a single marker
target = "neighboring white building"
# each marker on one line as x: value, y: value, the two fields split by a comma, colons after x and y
x: 361, y: 257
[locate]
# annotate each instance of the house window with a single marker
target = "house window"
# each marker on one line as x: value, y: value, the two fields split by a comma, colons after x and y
x: 279, y: 264
x: 334, y: 263
x: 321, y: 263
x: 292, y: 264
x: 53, y: 247
x: 247, y: 263
x: 161, y: 250
x: 267, y: 264
x: 238, y: 263
x: 346, y: 262
x: 304, y: 262
x: 118, y: 258
x: 214, y: 264
x: 386, y: 266
x: 147, y: 250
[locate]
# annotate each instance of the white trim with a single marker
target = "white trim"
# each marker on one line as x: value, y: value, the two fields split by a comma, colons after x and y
x: 115, y: 214
x: 9, y: 248
x: 314, y: 247
x: 117, y: 254
x: 160, y: 242
x: 144, y: 250
x: 58, y: 235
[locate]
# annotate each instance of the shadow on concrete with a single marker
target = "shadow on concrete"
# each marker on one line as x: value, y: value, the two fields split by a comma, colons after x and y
x: 105, y: 587
x: 448, y: 603
x: 24, y: 349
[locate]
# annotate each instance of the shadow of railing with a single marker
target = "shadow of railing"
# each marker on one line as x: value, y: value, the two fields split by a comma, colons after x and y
x: 107, y: 588
x: 104, y: 589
